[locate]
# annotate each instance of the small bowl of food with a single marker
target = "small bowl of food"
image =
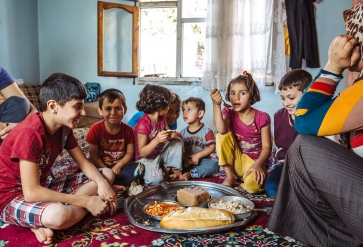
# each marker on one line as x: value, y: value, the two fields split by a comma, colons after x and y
x: 156, y: 209
x: 241, y: 207
x: 195, y: 197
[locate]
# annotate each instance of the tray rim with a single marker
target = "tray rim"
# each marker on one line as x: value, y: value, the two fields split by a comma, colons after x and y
x: 133, y: 199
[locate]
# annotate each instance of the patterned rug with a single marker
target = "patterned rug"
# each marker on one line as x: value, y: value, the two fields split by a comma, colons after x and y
x: 118, y: 231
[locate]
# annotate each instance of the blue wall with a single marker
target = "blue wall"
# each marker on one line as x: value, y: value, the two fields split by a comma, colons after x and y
x: 68, y: 43
x: 19, y: 45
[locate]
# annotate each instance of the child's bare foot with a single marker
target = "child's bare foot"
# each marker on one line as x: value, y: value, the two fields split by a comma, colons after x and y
x: 43, y: 235
x: 186, y: 176
x: 119, y: 189
x: 177, y: 176
x: 229, y: 182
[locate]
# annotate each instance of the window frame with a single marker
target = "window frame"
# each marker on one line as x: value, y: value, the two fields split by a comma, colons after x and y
x: 178, y: 80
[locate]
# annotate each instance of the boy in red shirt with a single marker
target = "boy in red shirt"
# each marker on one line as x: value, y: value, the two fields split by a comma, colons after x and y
x: 28, y: 197
x: 111, y: 142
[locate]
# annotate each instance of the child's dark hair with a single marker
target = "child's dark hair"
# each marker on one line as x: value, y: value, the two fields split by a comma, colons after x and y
x: 251, y: 85
x: 154, y: 97
x: 299, y: 78
x: 110, y: 95
x: 199, y: 103
x: 176, y: 98
x: 62, y: 88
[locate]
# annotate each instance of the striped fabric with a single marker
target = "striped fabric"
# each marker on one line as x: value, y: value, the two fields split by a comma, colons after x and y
x: 319, y: 113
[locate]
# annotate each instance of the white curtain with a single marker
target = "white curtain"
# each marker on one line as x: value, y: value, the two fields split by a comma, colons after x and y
x: 244, y: 35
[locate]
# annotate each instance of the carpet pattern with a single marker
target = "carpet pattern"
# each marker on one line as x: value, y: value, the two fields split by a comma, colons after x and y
x: 118, y: 231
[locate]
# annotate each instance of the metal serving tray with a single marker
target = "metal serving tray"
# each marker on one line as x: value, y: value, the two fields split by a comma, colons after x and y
x: 133, y: 206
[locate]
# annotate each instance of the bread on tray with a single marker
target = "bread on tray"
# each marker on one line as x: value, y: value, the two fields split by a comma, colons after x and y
x: 192, y: 196
x: 196, y: 218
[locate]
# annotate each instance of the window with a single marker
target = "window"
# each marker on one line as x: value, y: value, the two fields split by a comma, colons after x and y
x: 172, y: 37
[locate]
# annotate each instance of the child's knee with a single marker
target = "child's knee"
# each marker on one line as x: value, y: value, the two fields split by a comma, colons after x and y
x: 250, y: 185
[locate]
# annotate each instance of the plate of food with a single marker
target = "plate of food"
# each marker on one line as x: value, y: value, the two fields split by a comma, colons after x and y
x: 241, y: 207
x: 134, y: 208
x: 157, y: 209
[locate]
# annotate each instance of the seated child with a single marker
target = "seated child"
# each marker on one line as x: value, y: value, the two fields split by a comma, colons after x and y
x: 111, y: 142
x: 243, y: 142
x: 172, y: 115
x: 292, y: 86
x: 199, y: 142
x: 31, y: 199
x: 156, y: 146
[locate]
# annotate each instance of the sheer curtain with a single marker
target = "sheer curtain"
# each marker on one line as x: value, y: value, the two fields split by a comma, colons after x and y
x: 244, y: 35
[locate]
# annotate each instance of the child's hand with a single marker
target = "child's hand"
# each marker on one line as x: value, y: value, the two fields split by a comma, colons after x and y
x: 216, y: 96
x: 194, y: 159
x: 116, y: 169
x: 106, y: 191
x: 97, y: 205
x: 172, y: 134
x: 258, y: 172
x: 162, y: 136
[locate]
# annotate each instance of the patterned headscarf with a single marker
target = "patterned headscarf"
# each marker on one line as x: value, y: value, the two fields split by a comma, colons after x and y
x: 353, y: 19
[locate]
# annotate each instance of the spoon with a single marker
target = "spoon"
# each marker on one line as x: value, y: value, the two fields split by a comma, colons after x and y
x: 225, y: 104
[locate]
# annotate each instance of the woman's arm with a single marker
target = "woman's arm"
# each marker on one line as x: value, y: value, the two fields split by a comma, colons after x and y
x: 317, y: 111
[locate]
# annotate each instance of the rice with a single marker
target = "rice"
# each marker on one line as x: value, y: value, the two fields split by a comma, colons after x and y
x: 235, y: 206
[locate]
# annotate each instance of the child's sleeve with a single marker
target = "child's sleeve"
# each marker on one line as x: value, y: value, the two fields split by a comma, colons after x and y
x: 142, y: 127
x: 92, y: 135
x: 71, y: 140
x: 264, y: 121
x: 209, y: 137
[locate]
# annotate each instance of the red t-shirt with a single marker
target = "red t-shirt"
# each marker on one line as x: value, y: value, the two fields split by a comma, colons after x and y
x: 146, y: 127
x: 28, y: 141
x: 111, y: 148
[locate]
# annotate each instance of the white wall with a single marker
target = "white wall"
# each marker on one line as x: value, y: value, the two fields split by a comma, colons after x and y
x: 68, y: 44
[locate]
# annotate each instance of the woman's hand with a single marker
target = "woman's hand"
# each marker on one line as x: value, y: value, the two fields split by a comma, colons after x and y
x: 216, y: 96
x: 344, y: 52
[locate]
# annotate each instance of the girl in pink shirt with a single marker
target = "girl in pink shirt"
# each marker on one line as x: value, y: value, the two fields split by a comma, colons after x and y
x: 243, y: 142
x: 156, y: 146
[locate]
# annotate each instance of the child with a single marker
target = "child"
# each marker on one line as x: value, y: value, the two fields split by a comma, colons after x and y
x: 243, y: 142
x: 172, y: 116
x: 28, y: 198
x: 291, y: 87
x: 156, y: 146
x: 111, y: 142
x: 199, y: 142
